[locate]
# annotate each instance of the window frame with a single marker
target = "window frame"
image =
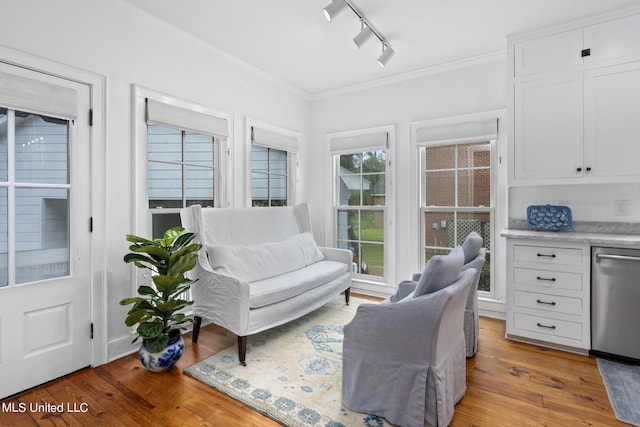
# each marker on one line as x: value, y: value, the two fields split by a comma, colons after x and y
x: 142, y: 214
x: 456, y: 209
x: 366, y: 282
x: 291, y: 148
x: 475, y: 127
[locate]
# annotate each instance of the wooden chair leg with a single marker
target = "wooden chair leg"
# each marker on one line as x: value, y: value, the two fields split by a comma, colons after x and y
x: 347, y: 294
x: 242, y: 349
x: 197, y: 321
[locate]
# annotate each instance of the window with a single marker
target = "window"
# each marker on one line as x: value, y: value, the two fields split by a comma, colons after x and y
x: 181, y: 168
x: 34, y: 197
x: 182, y: 154
x: 268, y: 176
x: 456, y: 182
x: 273, y: 164
x: 361, y: 200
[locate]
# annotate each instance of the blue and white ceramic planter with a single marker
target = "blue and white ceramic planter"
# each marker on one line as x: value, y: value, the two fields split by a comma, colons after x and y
x: 164, y: 360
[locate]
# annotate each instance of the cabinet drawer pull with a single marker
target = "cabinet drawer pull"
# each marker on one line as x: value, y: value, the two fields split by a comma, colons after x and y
x: 547, y: 255
x: 548, y: 279
x: 546, y: 326
x: 545, y: 302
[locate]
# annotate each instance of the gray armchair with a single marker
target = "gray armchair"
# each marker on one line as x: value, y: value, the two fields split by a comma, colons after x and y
x: 405, y: 361
x: 474, y: 257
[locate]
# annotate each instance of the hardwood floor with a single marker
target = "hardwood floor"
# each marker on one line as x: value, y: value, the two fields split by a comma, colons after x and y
x: 509, y: 384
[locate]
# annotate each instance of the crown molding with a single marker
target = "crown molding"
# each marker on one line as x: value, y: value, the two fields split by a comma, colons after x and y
x: 500, y: 55
x: 134, y: 12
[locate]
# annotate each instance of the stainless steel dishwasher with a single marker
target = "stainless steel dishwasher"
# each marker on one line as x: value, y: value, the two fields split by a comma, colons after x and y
x: 615, y: 302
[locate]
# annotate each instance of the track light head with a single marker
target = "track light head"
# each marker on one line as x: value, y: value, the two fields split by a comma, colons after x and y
x: 386, y: 55
x: 364, y: 35
x: 333, y: 8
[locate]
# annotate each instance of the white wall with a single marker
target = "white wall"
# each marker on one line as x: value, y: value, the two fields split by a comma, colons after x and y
x: 116, y: 40
x: 461, y: 89
x: 588, y: 203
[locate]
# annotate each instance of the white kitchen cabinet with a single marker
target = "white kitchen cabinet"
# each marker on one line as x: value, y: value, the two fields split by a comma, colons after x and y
x: 612, y: 120
x: 612, y: 42
x: 555, y: 52
x: 548, y: 293
x: 548, y: 133
x: 575, y: 104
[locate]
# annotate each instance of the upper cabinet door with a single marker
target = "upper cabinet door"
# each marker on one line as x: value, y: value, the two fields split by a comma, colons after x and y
x: 548, y: 128
x: 612, y: 121
x: 613, y: 42
x: 556, y: 52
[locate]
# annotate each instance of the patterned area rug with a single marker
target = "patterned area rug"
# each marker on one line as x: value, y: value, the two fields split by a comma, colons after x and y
x: 293, y: 373
x: 623, y: 387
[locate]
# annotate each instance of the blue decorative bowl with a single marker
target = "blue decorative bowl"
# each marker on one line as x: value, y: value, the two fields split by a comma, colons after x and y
x: 549, y: 217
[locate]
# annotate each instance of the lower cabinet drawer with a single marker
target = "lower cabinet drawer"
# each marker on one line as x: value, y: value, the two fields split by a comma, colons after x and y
x: 547, y: 279
x: 552, y: 303
x: 546, y: 326
x: 547, y: 255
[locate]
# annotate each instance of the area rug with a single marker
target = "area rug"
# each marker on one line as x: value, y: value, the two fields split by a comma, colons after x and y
x: 623, y: 387
x: 293, y: 373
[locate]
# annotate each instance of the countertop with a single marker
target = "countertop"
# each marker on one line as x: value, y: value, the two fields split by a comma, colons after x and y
x: 594, y: 239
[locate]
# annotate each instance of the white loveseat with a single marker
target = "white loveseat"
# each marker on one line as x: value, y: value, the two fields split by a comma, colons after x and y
x: 260, y: 267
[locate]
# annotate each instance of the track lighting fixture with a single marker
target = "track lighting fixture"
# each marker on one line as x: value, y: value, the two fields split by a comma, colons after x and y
x: 386, y: 55
x: 366, y: 30
x: 364, y: 34
x: 333, y: 8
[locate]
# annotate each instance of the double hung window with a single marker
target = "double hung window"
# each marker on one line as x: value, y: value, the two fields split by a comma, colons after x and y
x: 273, y: 165
x: 183, y: 160
x: 361, y: 200
x: 456, y: 183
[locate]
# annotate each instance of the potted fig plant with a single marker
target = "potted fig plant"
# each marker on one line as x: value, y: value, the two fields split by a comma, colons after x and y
x: 157, y: 310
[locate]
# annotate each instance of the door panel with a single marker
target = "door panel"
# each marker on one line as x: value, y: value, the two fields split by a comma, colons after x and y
x: 45, y: 241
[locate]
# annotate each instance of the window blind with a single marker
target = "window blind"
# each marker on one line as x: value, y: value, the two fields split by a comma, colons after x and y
x: 273, y: 139
x: 163, y: 114
x: 38, y: 97
x: 359, y: 143
x: 438, y: 132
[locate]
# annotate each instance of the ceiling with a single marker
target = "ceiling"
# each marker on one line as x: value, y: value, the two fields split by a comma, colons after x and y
x: 291, y: 41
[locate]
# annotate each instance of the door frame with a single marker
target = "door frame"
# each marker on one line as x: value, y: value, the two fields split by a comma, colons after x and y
x: 97, y: 90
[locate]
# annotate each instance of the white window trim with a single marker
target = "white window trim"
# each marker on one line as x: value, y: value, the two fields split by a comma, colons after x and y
x: 293, y: 163
x: 141, y: 212
x: 499, y: 200
x: 370, y: 285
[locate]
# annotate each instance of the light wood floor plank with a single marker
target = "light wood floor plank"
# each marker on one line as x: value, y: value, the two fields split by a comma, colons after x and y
x: 508, y: 384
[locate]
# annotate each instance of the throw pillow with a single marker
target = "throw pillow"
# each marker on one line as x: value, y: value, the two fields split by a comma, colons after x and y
x: 471, y: 246
x: 257, y: 262
x: 440, y: 271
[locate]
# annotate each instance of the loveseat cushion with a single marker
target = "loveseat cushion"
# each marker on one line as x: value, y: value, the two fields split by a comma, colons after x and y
x: 262, y: 261
x: 288, y: 285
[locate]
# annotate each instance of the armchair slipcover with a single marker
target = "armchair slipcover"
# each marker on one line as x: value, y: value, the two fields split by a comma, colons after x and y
x: 474, y: 257
x: 405, y: 361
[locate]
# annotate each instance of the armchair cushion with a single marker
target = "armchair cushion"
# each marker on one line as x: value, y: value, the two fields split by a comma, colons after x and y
x: 262, y: 261
x: 471, y: 246
x: 440, y: 271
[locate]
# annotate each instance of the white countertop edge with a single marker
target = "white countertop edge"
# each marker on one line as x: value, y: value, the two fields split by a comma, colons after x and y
x: 594, y: 239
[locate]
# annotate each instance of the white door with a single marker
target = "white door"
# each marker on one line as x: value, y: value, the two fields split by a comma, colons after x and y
x: 45, y: 250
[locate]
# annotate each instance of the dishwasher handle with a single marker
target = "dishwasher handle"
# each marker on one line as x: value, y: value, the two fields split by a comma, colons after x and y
x: 618, y: 257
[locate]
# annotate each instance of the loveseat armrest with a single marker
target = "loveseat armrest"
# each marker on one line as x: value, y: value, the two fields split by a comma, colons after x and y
x: 335, y: 254
x: 222, y: 299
